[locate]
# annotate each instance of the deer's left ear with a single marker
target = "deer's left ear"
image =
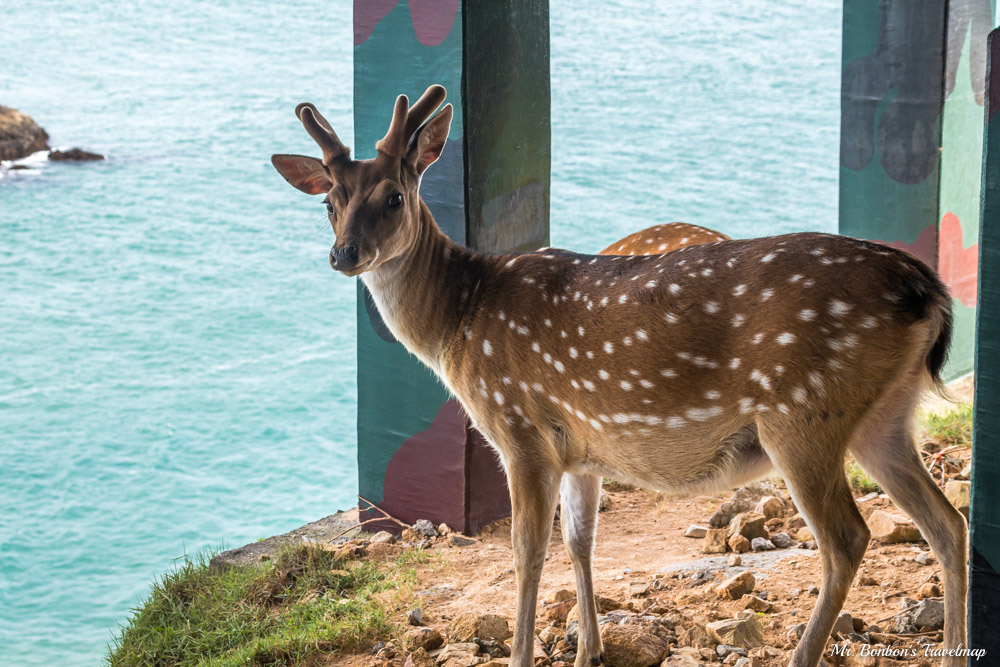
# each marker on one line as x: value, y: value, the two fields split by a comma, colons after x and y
x: 428, y: 142
x: 305, y: 173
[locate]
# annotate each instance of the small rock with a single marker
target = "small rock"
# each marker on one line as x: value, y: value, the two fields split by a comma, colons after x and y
x: 756, y: 603
x: 415, y: 616
x: 604, y: 504
x: 761, y: 544
x: 457, y: 540
x: 681, y: 660
x: 409, y: 535
x: 810, y: 544
x: 724, y: 650
x: 419, y: 658
x: 425, y: 528
x: 867, y: 580
x: 460, y: 651
x: 966, y: 472
x: 696, y: 636
x: 74, y: 155
x: 737, y: 586
x: 781, y: 540
x: 383, y: 537
x: 795, y: 523
x: 844, y: 624
x: 868, y: 496
x: 926, y: 613
x: 715, y: 541
x: 549, y: 635
x: 634, y: 645
x: 561, y: 595
x: 924, y: 558
x: 444, y: 529
x: 739, y: 544
x: 796, y: 631
x: 638, y: 589
x: 735, y: 560
x: 557, y: 612
x: 892, y: 528
x: 804, y: 534
x: 741, y: 632
x: 748, y: 524
x: 425, y: 638
x: 813, y: 589
x: 493, y: 648
x: 929, y: 590
x: 957, y: 492
x: 770, y: 507
x: 486, y: 626
x: 696, y: 531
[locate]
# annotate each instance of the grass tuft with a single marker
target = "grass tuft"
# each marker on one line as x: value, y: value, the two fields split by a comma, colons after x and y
x: 952, y: 428
x: 301, y: 605
x: 860, y: 480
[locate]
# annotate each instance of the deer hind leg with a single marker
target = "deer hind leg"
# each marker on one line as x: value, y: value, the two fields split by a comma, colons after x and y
x: 818, y: 485
x: 891, y: 458
x: 580, y: 496
x: 533, y: 493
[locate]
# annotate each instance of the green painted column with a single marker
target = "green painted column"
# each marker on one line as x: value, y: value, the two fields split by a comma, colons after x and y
x: 984, y: 581
x: 911, y: 135
x: 418, y: 457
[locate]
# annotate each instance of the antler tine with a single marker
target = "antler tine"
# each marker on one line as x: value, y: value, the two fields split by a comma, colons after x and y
x: 322, y: 133
x: 394, y: 143
x: 423, y: 108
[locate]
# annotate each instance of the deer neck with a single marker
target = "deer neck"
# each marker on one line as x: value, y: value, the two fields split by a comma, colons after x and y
x: 423, y: 294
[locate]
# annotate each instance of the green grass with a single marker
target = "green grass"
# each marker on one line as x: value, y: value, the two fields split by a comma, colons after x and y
x: 950, y: 428
x: 615, y: 485
x: 289, y: 611
x: 859, y: 479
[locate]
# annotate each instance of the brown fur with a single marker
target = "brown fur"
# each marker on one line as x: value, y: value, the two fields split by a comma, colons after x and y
x: 660, y: 239
x: 691, y: 371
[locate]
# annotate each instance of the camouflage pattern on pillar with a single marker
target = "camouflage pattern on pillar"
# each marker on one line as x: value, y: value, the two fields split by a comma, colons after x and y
x: 418, y: 457
x: 911, y: 103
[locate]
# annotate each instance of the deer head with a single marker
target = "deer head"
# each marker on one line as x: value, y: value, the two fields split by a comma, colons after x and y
x: 373, y: 205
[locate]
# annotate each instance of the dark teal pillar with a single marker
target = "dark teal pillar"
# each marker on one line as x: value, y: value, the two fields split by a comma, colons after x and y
x: 417, y: 455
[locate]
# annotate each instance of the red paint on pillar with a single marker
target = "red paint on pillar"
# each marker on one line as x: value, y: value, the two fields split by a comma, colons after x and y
x: 958, y: 265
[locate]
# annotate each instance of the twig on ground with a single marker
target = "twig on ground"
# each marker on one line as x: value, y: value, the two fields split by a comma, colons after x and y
x: 383, y: 512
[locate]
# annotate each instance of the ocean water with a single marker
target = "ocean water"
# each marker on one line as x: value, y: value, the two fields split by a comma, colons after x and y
x: 176, y: 357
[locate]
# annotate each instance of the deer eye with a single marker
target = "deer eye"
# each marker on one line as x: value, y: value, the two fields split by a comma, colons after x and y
x: 395, y: 200
x: 330, y: 209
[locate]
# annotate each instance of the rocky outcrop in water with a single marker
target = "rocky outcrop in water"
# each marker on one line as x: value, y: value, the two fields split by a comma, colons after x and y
x: 74, y: 155
x: 20, y: 136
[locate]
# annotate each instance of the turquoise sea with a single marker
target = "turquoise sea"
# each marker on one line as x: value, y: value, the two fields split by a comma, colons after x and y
x: 176, y: 357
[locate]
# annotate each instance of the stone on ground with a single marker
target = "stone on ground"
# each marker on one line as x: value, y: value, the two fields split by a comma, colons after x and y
x: 957, y: 492
x: 459, y: 651
x: 756, y: 603
x: 485, y: 626
x: 715, y: 541
x: 892, y: 528
x: 761, y: 544
x: 425, y: 638
x: 419, y: 658
x: 737, y: 586
x: 742, y: 632
x: 696, y: 531
x: 634, y: 644
x: 748, y: 524
x: 844, y: 624
x: 771, y: 507
x: 425, y: 528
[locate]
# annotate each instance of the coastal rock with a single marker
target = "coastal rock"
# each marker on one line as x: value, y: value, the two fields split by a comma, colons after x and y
x: 74, y: 155
x: 20, y: 136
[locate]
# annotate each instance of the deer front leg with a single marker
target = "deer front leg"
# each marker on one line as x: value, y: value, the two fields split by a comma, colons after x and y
x: 580, y: 495
x: 533, y: 492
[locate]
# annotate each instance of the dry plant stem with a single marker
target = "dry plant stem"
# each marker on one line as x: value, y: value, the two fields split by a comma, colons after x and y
x: 381, y: 511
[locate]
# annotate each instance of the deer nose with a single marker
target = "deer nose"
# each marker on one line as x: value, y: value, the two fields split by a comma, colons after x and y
x: 344, y: 258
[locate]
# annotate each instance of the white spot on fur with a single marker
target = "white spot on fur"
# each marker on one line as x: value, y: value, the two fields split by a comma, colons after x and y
x: 498, y: 397
x: 746, y: 405
x: 701, y: 414
x: 758, y: 338
x: 768, y: 257
x: 609, y: 347
x: 713, y: 395
x: 711, y: 307
x: 838, y: 308
x: 676, y: 422
x: 675, y: 288
x: 627, y: 386
x: 603, y: 374
x: 807, y: 315
x: 487, y: 347
x: 668, y: 373
x: 761, y: 379
x: 786, y: 338
x: 739, y: 290
x: 641, y: 335
x: 799, y: 395
x: 766, y: 294
x: 734, y: 363
x: 559, y: 366
x: 738, y: 319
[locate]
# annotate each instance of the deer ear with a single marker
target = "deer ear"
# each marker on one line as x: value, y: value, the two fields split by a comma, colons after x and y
x: 305, y: 173
x: 428, y: 142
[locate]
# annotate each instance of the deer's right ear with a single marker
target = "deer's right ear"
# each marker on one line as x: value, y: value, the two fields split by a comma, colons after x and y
x: 305, y: 173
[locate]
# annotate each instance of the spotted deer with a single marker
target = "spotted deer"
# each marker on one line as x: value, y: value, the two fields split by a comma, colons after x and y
x: 693, y: 371
x: 660, y: 239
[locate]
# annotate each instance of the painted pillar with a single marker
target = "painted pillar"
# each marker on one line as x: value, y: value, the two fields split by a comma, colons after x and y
x: 911, y: 135
x: 418, y: 457
x: 984, y: 588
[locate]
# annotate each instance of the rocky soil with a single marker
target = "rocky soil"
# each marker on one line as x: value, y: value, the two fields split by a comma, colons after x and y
x: 727, y: 579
